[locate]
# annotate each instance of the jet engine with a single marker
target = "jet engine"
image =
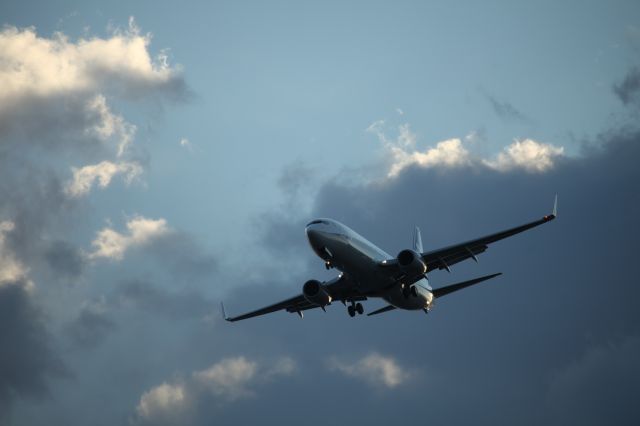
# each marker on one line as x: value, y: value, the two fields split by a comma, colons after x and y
x: 411, y: 263
x: 315, y: 293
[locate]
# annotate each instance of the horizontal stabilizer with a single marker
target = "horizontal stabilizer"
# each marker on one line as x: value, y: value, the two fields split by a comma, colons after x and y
x: 382, y: 310
x: 443, y: 291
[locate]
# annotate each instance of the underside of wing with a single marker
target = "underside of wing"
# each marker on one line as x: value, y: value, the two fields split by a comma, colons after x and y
x: 443, y: 291
x: 382, y: 310
x: 445, y: 257
x: 340, y: 289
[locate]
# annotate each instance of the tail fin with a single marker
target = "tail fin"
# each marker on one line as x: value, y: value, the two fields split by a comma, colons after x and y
x: 417, y: 240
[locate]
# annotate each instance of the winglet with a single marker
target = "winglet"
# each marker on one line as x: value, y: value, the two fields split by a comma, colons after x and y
x: 224, y: 313
x: 554, y: 213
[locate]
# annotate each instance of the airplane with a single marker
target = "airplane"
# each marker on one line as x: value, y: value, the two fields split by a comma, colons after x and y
x: 366, y: 271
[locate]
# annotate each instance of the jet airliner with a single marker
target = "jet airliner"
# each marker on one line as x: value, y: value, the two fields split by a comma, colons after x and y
x: 368, y: 272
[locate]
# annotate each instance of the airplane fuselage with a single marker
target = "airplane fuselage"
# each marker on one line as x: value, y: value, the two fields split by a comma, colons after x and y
x: 349, y: 252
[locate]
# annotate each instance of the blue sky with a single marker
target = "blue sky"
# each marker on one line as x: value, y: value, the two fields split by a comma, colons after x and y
x: 157, y: 158
x: 280, y: 83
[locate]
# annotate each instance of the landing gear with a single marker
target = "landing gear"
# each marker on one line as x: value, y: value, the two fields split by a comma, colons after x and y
x: 409, y: 291
x: 406, y: 291
x: 327, y: 265
x: 355, y: 308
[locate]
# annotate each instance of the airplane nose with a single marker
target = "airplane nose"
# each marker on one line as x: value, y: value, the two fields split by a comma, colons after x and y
x: 313, y: 235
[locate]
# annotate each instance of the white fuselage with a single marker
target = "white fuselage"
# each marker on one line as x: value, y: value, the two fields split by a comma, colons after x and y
x: 349, y: 252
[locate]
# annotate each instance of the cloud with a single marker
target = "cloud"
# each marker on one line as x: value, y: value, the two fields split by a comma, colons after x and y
x: 162, y: 401
x: 92, y: 324
x: 11, y: 270
x: 54, y: 112
x: 103, y: 172
x: 586, y: 384
x: 58, y: 100
x: 628, y: 91
x: 526, y: 154
x: 506, y: 111
x: 55, y: 90
x: 175, y: 304
x: 64, y: 259
x: 448, y: 153
x: 228, y: 378
x: 402, y: 153
x: 374, y: 369
x: 27, y: 359
x: 111, y: 244
x: 226, y: 381
x: 186, y: 144
x: 506, y: 350
x: 35, y: 66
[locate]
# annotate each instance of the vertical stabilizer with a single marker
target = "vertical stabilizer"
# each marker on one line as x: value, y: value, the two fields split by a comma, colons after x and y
x: 417, y: 240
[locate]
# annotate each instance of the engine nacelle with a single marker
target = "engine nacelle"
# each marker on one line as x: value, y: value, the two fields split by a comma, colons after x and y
x: 411, y: 263
x: 315, y: 293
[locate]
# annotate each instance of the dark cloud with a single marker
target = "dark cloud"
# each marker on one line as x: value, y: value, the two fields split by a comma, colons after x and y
x: 517, y: 349
x: 506, y: 111
x: 90, y: 327
x: 294, y: 179
x: 47, y: 126
x: 65, y: 260
x: 628, y: 90
x: 26, y: 356
x: 183, y: 255
x: 176, y: 304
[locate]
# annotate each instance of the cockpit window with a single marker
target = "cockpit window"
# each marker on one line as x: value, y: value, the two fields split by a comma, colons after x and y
x: 313, y: 222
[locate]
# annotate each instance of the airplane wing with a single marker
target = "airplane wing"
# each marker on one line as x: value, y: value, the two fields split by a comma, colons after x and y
x: 340, y: 289
x: 445, y: 257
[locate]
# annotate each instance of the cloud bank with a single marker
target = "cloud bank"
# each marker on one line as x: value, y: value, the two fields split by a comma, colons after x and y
x: 402, y: 153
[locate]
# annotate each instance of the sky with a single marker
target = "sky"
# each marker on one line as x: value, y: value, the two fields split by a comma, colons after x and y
x: 156, y: 159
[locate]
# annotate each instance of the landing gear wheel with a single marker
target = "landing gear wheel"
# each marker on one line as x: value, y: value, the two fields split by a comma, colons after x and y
x: 327, y: 265
x: 414, y: 291
x: 351, y: 310
x: 359, y: 308
x: 406, y: 290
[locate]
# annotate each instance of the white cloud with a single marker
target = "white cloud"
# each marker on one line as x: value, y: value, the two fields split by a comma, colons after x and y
x: 448, y: 153
x: 39, y: 66
x: 526, y: 154
x: 12, y: 271
x: 107, y: 126
x: 401, y: 152
x: 284, y: 366
x: 112, y: 244
x: 228, y: 378
x: 55, y: 90
x: 374, y: 369
x: 226, y: 381
x: 161, y: 401
x: 185, y: 143
x: 103, y: 172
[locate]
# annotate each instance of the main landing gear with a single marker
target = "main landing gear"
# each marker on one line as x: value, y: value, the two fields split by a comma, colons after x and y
x: 354, y: 308
x: 409, y: 291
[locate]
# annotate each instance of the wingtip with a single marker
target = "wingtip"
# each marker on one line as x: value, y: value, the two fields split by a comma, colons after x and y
x: 223, y: 312
x: 554, y: 212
